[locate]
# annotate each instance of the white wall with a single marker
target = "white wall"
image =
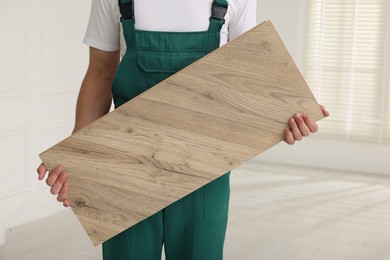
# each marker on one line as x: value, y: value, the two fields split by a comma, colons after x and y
x: 42, y: 62
x: 2, y: 235
x: 290, y: 19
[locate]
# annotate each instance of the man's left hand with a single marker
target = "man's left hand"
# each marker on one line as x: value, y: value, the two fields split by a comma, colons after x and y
x: 301, y: 126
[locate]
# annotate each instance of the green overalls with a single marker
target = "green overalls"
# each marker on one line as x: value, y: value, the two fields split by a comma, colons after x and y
x: 195, y: 226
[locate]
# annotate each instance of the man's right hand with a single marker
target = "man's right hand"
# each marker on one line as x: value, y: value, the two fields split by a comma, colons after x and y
x: 58, y: 181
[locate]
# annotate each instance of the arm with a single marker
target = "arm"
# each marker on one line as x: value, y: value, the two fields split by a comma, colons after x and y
x: 95, y: 97
x: 94, y: 101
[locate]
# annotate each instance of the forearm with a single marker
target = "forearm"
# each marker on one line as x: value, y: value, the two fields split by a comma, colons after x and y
x: 94, y: 99
x: 95, y: 95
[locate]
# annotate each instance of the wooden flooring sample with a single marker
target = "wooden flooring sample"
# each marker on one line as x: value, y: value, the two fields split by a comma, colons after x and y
x: 186, y: 131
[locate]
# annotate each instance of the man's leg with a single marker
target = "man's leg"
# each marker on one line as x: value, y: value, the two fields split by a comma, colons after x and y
x: 140, y: 242
x: 195, y: 226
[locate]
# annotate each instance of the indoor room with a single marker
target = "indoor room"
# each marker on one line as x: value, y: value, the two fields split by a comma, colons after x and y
x: 299, y: 113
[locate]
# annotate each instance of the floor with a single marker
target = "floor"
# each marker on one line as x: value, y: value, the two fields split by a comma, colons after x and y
x: 276, y: 213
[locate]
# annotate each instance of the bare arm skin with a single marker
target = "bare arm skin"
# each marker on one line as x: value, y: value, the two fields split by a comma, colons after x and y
x: 95, y: 95
x: 94, y: 101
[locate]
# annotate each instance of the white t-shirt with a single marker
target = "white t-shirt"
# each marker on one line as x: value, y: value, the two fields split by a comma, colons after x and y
x: 104, y: 30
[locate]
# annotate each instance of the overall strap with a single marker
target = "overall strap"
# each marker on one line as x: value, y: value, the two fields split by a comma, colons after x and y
x: 126, y: 8
x: 218, y: 12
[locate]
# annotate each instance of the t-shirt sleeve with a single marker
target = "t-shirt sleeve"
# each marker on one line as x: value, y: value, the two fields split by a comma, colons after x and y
x: 103, y: 29
x: 244, y: 18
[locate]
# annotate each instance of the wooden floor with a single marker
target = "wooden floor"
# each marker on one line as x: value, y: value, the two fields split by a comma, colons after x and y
x: 276, y: 213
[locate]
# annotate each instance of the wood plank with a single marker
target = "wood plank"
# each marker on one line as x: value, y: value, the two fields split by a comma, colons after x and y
x: 186, y: 131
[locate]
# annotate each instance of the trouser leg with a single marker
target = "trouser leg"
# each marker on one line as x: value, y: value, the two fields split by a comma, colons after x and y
x: 195, y: 226
x: 140, y: 242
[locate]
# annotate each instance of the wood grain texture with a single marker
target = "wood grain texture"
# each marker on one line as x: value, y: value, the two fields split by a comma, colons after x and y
x: 186, y: 131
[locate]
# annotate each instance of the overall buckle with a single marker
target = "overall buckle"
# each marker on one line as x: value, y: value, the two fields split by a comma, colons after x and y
x: 126, y: 10
x: 218, y: 12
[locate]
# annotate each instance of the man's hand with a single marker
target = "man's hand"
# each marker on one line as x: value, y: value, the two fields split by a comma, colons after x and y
x: 301, y: 126
x: 58, y: 181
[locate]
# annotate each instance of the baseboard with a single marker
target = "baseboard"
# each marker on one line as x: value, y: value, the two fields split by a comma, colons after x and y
x: 2, y: 236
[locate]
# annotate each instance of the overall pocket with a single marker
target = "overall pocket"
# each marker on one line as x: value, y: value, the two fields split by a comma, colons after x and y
x: 216, y: 196
x: 157, y: 65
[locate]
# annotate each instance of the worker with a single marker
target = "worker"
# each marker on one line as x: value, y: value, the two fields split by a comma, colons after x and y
x: 156, y: 39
